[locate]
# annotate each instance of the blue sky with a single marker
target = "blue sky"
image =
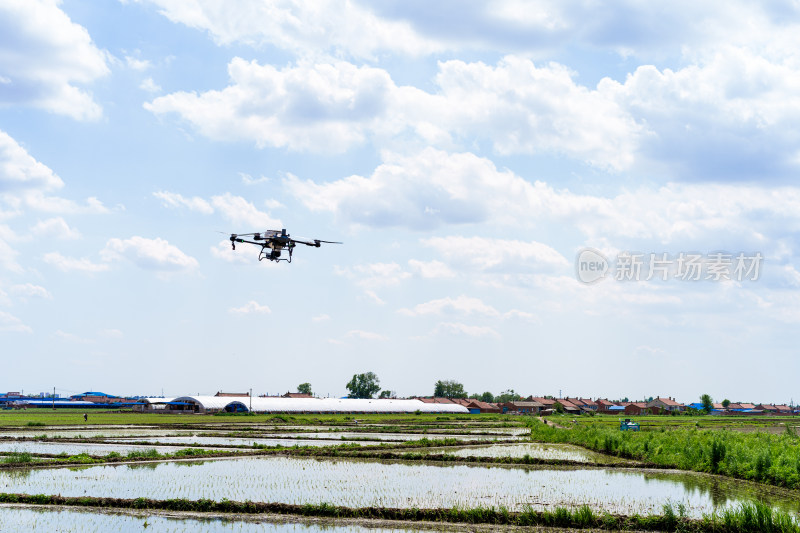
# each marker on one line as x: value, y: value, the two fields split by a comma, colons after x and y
x: 464, y: 153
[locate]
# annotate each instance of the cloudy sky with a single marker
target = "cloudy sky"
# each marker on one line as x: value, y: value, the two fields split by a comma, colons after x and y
x: 465, y: 153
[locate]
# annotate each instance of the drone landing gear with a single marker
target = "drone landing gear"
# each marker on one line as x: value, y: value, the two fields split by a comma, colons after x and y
x: 273, y: 255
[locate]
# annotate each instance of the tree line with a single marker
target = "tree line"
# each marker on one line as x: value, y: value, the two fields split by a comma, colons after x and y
x: 367, y: 385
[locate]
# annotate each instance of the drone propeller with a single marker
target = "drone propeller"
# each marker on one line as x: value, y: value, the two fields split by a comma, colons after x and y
x: 314, y: 242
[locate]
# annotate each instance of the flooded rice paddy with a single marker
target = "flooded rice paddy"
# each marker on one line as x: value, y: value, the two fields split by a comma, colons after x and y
x: 355, y: 483
x: 244, y: 441
x: 93, y: 432
x: 604, y: 483
x: 76, y: 448
x: 70, y: 521
x: 563, y: 452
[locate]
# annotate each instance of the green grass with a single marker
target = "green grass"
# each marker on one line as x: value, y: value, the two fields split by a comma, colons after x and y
x: 18, y: 458
x: 757, y: 456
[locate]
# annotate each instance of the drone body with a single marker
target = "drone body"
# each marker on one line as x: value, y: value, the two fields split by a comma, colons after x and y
x: 273, y: 242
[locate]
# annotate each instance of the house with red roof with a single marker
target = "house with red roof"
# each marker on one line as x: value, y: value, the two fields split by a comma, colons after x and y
x: 667, y: 405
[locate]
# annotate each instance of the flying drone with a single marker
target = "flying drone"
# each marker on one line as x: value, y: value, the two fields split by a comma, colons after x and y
x: 272, y: 242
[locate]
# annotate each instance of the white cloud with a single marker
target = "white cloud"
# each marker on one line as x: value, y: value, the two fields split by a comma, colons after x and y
x: 304, y: 28
x: 137, y: 64
x: 68, y: 264
x: 465, y: 305
x: 72, y: 338
x: 522, y: 315
x: 223, y: 251
x: 522, y: 108
x: 55, y: 228
x: 170, y: 199
x: 649, y: 352
x: 247, y: 179
x: 8, y: 255
x: 498, y: 255
x: 152, y: 254
x: 242, y: 213
x: 422, y: 191
x: 110, y: 334
x: 10, y: 323
x: 29, y: 290
x: 375, y: 275
x: 53, y: 204
x: 319, y: 108
x: 461, y: 304
x: 251, y: 307
x: 365, y: 335
x: 431, y: 269
x: 433, y: 188
x: 19, y: 171
x: 332, y: 107
x: 321, y: 318
x: 457, y: 328
x: 733, y: 115
x: 150, y: 86
x: 46, y: 57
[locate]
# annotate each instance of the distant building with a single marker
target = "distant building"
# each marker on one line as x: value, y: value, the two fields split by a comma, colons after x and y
x: 568, y: 406
x: 636, y: 409
x: 436, y: 399
x: 767, y: 408
x: 604, y: 405
x: 523, y: 407
x: 101, y: 398
x: 547, y: 403
x: 479, y: 407
x: 666, y: 405
x: 296, y: 395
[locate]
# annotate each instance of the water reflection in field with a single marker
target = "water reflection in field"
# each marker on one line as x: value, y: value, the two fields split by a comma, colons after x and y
x: 564, y: 452
x: 70, y: 521
x: 369, y: 483
x: 244, y: 441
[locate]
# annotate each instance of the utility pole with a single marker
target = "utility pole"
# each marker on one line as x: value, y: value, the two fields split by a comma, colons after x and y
x: 251, y: 400
x: 54, y: 398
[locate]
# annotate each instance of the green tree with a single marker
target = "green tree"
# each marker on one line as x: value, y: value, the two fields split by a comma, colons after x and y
x: 449, y: 389
x: 363, y: 385
x: 508, y: 396
x: 305, y: 388
x: 486, y: 397
x: 707, y: 402
x: 725, y: 403
x: 387, y: 394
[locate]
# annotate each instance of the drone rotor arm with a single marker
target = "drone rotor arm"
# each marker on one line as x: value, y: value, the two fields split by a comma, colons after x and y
x: 307, y: 243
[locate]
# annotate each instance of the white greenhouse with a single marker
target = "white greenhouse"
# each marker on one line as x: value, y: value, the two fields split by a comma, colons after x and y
x: 213, y: 404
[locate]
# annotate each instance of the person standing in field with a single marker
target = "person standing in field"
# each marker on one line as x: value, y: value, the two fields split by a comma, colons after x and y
x: 85, y: 417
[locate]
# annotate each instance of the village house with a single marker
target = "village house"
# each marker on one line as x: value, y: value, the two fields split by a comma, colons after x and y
x: 477, y: 406
x: 569, y: 407
x: 667, y: 405
x: 524, y: 407
x: 636, y: 409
